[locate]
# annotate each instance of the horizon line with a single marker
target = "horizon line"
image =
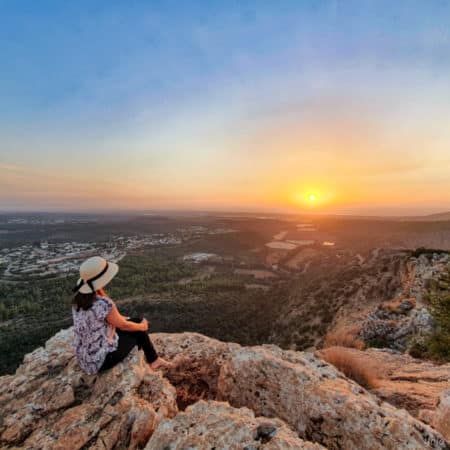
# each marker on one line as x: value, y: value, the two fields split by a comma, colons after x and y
x: 209, y: 211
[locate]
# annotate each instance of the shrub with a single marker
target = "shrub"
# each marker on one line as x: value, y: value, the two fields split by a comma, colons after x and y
x: 437, y: 345
x: 419, y: 350
x: 352, y: 366
x: 439, y: 342
x: 344, y: 337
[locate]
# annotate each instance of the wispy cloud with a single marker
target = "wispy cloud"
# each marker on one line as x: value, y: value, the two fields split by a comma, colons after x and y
x: 223, y: 104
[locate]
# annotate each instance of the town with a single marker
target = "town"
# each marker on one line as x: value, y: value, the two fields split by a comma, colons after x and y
x: 44, y: 259
x: 48, y: 259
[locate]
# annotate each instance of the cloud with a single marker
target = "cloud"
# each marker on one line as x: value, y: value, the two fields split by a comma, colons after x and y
x: 11, y: 168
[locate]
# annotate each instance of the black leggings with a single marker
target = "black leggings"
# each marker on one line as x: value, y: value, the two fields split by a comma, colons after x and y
x: 127, y: 341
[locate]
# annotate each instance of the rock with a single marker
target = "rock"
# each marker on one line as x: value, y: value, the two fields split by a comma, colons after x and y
x: 404, y: 381
x: 396, y: 306
x: 51, y: 404
x: 206, y: 425
x: 403, y: 321
x: 374, y: 329
x: 396, y: 323
x: 423, y: 273
x: 318, y: 402
x: 199, y: 360
x: 422, y: 322
x: 441, y: 418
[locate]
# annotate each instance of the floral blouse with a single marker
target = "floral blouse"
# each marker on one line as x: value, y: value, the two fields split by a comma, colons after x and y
x: 94, y: 338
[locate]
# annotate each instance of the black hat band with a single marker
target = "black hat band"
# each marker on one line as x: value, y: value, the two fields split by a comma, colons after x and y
x: 91, y: 280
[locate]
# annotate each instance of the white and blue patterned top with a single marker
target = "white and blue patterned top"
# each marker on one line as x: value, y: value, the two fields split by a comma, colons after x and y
x: 91, y: 332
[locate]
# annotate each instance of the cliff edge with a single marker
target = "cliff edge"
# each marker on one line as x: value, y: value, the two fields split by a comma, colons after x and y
x: 220, y: 395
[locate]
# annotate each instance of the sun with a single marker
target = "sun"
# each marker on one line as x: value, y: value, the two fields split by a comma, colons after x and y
x: 310, y: 198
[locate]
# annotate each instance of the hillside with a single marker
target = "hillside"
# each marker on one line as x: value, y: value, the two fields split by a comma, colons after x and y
x: 220, y: 395
x: 294, y: 308
x: 444, y: 216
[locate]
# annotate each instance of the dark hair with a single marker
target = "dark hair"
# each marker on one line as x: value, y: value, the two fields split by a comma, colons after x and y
x: 84, y: 301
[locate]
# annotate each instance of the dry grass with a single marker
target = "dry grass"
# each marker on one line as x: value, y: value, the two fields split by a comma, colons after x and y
x: 352, y: 366
x: 344, y: 337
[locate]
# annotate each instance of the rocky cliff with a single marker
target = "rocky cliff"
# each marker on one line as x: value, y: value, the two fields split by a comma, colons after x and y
x: 220, y: 396
x: 405, y: 382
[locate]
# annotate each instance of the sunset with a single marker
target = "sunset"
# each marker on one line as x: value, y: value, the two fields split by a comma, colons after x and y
x: 225, y: 225
x: 223, y: 106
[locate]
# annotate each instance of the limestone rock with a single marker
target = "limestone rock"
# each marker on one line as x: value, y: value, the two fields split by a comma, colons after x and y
x: 441, y: 418
x: 318, y: 402
x: 423, y: 270
x: 393, y: 324
x: 206, y: 425
x: 404, y: 381
x: 51, y: 404
x: 199, y: 360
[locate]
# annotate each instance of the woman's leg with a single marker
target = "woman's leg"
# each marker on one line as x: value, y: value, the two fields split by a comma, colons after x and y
x: 144, y: 343
x: 126, y: 343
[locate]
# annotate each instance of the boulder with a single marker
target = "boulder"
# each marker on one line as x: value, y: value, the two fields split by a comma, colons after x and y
x: 51, y: 404
x: 206, y: 425
x: 318, y: 401
x: 402, y: 380
x: 396, y: 323
x: 441, y: 417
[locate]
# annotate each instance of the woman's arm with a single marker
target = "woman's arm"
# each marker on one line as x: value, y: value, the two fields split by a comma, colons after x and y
x: 117, y: 320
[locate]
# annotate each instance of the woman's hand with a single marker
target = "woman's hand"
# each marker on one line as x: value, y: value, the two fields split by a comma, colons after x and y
x: 116, y: 319
x: 144, y: 325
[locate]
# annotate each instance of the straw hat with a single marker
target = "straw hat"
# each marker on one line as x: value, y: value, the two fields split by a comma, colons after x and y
x: 95, y: 273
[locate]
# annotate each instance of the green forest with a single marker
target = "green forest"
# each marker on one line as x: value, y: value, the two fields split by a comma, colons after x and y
x: 220, y: 306
x: 154, y: 285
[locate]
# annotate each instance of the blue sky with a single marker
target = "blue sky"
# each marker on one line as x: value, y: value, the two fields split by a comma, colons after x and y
x: 224, y: 104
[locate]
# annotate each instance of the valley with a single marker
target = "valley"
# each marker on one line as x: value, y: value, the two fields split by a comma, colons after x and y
x: 245, y: 278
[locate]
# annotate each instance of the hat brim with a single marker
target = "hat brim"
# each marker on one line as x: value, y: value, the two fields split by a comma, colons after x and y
x: 113, y: 268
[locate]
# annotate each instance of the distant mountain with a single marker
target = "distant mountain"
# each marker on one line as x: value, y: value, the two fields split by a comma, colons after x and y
x: 437, y: 217
x: 440, y: 216
x: 444, y: 216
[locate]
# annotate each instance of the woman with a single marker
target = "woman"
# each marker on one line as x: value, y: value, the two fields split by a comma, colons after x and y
x: 102, y: 336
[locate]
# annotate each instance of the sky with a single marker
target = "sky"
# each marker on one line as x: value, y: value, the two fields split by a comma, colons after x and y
x: 297, y: 106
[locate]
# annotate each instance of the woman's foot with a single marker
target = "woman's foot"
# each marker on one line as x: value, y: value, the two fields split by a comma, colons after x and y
x: 161, y: 363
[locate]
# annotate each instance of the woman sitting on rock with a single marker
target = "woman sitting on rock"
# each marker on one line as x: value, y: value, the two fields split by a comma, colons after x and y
x: 102, y: 336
